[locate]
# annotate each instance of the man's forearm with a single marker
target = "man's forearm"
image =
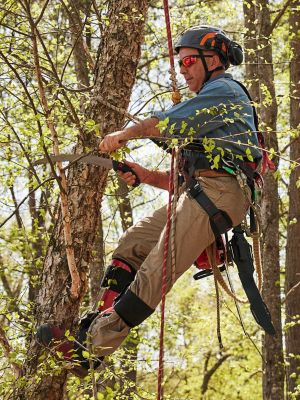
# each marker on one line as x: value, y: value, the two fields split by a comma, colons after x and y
x: 145, y: 128
x: 115, y: 140
x: 158, y: 179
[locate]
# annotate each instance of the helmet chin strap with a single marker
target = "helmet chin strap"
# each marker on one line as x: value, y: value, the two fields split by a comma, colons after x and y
x: 208, y: 73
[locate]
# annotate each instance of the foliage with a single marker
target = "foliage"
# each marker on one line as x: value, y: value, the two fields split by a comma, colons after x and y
x: 191, y: 346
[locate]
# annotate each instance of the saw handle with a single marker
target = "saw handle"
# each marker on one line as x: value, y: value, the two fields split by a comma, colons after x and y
x: 120, y: 166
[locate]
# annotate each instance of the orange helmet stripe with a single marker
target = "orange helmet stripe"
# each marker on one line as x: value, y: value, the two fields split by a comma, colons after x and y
x: 211, y: 35
x: 206, y: 37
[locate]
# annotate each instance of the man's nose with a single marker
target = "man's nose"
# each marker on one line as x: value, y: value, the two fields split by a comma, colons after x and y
x: 183, y: 69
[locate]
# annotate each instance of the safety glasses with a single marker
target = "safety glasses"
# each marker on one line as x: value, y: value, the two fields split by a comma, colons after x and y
x: 190, y: 60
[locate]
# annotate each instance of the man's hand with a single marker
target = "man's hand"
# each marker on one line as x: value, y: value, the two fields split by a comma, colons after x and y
x: 130, y: 178
x: 157, y: 179
x: 113, y: 141
x: 116, y: 140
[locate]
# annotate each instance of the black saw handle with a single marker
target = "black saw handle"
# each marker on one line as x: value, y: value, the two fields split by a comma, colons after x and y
x: 120, y: 166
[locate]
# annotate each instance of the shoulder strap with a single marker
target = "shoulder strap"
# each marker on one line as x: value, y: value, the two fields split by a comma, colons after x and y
x: 266, y: 162
x: 253, y: 108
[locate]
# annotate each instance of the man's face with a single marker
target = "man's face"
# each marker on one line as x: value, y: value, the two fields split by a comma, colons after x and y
x: 195, y: 73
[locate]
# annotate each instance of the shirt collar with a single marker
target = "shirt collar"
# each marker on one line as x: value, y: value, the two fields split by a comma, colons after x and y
x: 225, y: 75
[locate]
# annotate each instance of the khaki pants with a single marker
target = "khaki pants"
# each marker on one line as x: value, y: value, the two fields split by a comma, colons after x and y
x: 142, y: 246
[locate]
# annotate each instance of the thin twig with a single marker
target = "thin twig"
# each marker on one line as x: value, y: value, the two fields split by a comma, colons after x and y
x: 23, y: 201
x: 290, y: 292
x: 66, y: 217
x: 7, y: 351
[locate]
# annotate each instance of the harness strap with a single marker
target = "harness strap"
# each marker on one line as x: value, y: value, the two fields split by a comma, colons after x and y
x: 197, y: 160
x: 206, y: 272
x: 219, y: 220
x: 132, y: 309
x: 266, y: 161
x: 118, y: 276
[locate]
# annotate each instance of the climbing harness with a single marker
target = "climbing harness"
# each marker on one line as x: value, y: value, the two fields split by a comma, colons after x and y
x: 219, y: 220
x: 238, y: 248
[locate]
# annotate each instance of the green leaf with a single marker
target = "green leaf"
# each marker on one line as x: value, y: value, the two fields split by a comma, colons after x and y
x: 162, y: 125
x: 249, y: 155
x: 85, y: 354
x: 216, y: 161
x: 183, y: 127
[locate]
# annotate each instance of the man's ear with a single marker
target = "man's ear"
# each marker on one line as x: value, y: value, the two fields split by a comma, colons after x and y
x: 214, y: 62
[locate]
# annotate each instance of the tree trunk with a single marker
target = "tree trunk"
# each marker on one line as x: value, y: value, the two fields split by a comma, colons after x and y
x: 79, y: 54
x: 293, y: 231
x: 116, y: 70
x: 273, y: 377
x: 250, y: 50
x: 97, y: 266
x: 124, y: 205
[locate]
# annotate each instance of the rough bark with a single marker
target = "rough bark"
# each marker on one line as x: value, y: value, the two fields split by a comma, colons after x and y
x: 293, y: 231
x: 96, y: 267
x: 77, y: 31
x: 273, y: 377
x: 116, y: 70
x: 124, y: 205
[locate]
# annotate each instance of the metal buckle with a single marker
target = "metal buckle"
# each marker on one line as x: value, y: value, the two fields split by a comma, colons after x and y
x: 194, y: 190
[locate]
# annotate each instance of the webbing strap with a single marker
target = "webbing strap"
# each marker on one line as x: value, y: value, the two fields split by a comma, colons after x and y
x: 118, y: 276
x: 267, y: 162
x: 219, y: 220
x: 132, y: 309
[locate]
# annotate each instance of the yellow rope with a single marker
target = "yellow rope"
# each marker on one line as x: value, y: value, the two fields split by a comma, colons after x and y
x: 211, y: 254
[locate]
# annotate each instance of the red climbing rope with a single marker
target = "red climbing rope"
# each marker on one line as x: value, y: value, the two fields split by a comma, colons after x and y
x: 175, y: 95
x: 169, y: 34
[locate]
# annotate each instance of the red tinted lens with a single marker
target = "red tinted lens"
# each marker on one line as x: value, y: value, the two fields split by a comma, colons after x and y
x: 188, y: 61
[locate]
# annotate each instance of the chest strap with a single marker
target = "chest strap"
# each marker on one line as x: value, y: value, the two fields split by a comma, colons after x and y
x: 219, y: 220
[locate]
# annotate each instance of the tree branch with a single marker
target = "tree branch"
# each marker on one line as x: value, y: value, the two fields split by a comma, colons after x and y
x: 7, y: 351
x: 290, y: 292
x: 211, y: 371
x: 66, y: 217
x: 278, y: 17
x: 23, y: 201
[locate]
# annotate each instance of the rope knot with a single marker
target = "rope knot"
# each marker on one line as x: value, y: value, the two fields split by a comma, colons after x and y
x: 176, y: 97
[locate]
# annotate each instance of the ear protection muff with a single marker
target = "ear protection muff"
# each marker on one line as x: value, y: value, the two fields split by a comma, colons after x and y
x: 234, y: 52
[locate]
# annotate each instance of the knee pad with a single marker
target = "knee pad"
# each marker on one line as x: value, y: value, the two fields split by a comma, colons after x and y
x: 117, y: 278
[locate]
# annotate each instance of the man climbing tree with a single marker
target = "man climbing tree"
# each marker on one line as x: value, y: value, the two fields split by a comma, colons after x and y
x: 221, y: 120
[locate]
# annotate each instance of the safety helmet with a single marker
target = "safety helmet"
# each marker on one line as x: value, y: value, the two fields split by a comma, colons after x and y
x: 210, y: 38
